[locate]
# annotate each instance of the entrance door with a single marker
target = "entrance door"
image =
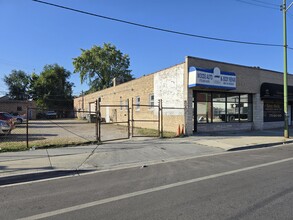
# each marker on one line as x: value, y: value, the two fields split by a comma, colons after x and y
x: 289, y: 114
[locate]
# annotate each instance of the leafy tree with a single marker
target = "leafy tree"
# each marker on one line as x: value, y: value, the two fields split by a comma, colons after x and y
x: 18, y: 83
x: 51, y: 89
x: 100, y: 65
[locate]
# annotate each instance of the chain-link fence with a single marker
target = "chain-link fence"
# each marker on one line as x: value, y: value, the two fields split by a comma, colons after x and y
x: 145, y: 120
x: 173, y: 121
x: 114, y: 122
x: 104, y: 122
x: 52, y: 128
x: 13, y: 132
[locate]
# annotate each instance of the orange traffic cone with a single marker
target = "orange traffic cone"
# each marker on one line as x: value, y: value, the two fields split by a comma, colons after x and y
x: 183, y: 132
x: 178, y: 131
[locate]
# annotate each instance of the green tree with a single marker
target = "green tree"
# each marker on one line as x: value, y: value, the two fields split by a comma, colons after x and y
x: 51, y: 89
x: 18, y: 84
x: 100, y: 65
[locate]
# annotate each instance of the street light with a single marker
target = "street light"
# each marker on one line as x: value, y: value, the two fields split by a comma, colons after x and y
x: 284, y: 8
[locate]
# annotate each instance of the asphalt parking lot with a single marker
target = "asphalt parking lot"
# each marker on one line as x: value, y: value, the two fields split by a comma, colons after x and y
x: 62, y: 131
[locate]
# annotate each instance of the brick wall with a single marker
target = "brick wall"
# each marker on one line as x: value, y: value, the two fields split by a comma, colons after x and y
x: 161, y: 84
x: 249, y: 80
x: 171, y: 85
x: 17, y: 106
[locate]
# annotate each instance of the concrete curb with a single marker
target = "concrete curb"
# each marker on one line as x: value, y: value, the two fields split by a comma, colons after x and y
x: 259, y: 146
x: 29, y: 177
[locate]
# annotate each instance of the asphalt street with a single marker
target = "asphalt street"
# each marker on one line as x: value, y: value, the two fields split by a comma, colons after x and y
x: 251, y: 184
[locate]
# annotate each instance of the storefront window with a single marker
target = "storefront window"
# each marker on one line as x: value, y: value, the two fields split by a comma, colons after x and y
x: 219, y: 110
x: 203, y: 97
x: 273, y: 111
x: 203, y: 107
x: 233, y: 98
x: 219, y: 107
x: 232, y: 108
x: 215, y: 107
x: 245, y: 108
x: 245, y: 98
x: 219, y: 97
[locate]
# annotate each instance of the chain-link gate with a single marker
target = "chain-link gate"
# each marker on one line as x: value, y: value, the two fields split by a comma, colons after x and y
x: 146, y: 120
x: 113, y: 121
x: 116, y: 122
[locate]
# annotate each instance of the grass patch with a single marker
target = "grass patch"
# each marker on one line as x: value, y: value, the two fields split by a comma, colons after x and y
x: 41, y: 144
x: 153, y: 133
x: 12, y: 146
x: 18, y: 143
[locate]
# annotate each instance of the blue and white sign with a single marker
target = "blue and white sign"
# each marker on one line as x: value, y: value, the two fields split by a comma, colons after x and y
x: 211, y: 78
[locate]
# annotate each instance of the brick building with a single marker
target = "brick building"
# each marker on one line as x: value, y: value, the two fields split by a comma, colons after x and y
x: 201, y: 94
x: 16, y: 106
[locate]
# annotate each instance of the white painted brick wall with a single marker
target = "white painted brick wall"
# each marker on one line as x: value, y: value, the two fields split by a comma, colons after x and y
x: 168, y: 86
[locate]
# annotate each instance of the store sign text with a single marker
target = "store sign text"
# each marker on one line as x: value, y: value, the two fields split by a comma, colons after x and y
x: 213, y: 78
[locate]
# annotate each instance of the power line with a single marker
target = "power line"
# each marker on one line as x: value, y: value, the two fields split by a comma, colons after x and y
x: 277, y: 7
x: 266, y: 3
x: 264, y: 6
x: 160, y: 29
x: 259, y: 5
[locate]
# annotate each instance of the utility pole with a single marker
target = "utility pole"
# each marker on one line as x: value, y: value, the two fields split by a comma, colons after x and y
x: 284, y: 8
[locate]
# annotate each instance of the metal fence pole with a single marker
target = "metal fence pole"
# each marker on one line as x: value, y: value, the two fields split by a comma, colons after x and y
x: 132, y: 119
x: 98, y: 120
x: 162, y: 128
x: 128, y: 119
x: 27, y: 118
x: 185, y: 116
x: 159, y: 118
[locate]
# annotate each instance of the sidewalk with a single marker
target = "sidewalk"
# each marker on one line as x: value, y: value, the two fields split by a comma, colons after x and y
x: 246, y: 139
x: 135, y: 152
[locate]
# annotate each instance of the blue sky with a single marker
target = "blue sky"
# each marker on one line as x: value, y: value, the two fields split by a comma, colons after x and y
x: 34, y: 34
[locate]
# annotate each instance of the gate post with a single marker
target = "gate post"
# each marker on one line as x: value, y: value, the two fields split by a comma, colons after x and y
x: 98, y: 120
x: 27, y: 118
x: 128, y: 119
x: 132, y: 119
x: 161, y: 120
